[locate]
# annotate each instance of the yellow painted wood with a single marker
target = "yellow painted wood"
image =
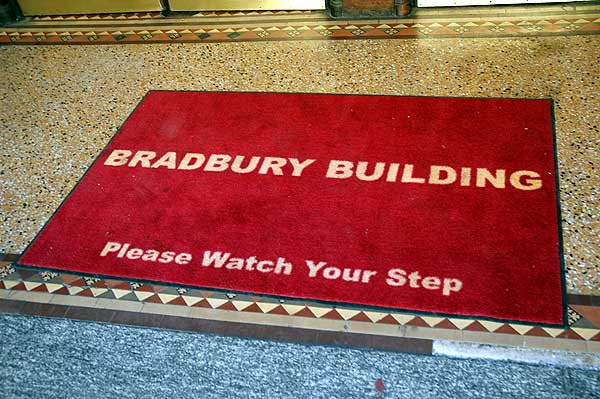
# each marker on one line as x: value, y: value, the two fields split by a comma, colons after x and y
x: 232, y: 5
x: 65, y: 7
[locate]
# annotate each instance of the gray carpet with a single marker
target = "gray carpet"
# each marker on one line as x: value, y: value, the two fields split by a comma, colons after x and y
x: 57, y: 358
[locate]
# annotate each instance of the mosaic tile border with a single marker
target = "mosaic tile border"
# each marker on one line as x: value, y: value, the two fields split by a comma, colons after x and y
x: 227, y: 328
x: 106, y: 17
x: 264, y: 26
x: 148, y: 15
x: 583, y: 333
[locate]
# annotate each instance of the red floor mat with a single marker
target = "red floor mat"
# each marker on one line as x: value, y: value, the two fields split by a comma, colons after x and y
x: 440, y: 205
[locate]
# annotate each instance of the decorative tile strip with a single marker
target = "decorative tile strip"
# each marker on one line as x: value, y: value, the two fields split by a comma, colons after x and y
x: 584, y: 320
x: 333, y: 30
x: 102, y: 17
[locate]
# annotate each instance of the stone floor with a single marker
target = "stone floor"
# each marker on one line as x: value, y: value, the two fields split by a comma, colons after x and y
x: 63, y: 102
x: 43, y: 358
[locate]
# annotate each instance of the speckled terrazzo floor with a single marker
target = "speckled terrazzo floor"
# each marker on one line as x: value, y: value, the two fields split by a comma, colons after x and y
x: 63, y: 103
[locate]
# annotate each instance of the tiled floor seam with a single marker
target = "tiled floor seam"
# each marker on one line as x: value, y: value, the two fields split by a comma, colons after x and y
x: 346, y: 326
x: 415, y: 18
x: 177, y: 31
x: 545, y: 20
x: 230, y: 328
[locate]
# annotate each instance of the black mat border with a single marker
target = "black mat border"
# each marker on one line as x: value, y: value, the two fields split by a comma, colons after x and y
x: 316, y: 301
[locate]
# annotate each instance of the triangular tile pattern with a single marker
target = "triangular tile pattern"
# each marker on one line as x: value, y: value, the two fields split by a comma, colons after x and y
x: 573, y: 316
x: 591, y: 316
x: 279, y: 30
x: 584, y: 321
x: 89, y: 17
x: 538, y: 332
x: 476, y: 326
